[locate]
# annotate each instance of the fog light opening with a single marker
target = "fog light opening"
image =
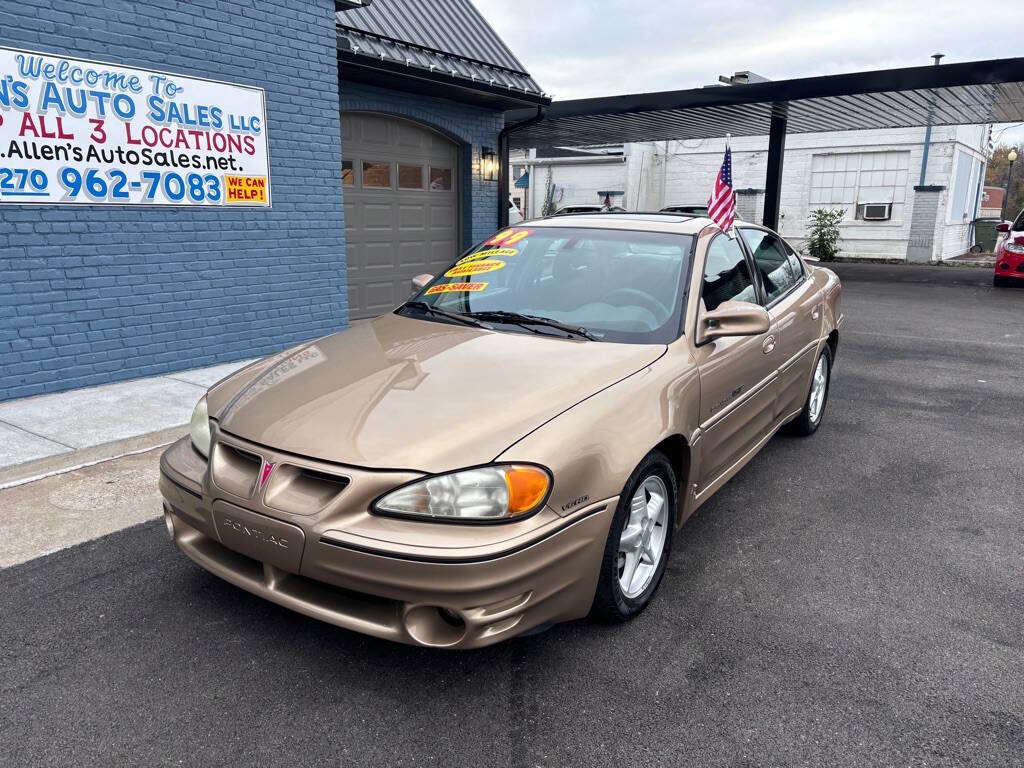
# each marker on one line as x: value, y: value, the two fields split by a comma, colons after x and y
x: 451, y: 618
x: 434, y: 625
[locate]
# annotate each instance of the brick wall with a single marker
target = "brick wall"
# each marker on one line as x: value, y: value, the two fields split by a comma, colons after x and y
x: 91, y: 294
x: 470, y: 126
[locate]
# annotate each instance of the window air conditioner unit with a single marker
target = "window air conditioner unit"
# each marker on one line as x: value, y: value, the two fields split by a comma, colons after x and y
x: 877, y: 211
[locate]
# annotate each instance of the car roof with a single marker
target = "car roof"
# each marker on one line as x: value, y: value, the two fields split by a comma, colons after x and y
x: 676, y: 223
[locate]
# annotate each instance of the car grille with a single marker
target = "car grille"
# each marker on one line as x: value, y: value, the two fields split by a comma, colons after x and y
x: 281, y: 484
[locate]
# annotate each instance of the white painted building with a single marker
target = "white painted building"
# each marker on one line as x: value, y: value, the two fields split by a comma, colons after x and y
x: 874, y: 176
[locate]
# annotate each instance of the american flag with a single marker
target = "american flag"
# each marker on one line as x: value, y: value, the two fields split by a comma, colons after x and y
x: 722, y: 203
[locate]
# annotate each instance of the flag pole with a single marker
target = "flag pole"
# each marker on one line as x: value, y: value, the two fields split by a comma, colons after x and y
x: 732, y: 230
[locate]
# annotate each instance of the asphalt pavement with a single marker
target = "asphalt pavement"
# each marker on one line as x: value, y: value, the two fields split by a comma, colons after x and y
x: 850, y: 599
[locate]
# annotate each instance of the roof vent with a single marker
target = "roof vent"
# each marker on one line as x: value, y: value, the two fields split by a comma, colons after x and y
x: 743, y: 77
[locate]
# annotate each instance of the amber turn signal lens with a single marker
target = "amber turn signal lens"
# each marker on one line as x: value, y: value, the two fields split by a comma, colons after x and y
x: 527, y: 487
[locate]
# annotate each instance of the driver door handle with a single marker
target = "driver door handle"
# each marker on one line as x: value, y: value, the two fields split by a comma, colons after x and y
x: 768, y: 345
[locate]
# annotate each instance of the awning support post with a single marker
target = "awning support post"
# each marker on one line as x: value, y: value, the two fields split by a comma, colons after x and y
x: 773, y: 175
x: 503, y: 168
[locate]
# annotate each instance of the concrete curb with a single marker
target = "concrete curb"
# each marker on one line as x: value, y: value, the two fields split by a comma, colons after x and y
x: 31, y: 471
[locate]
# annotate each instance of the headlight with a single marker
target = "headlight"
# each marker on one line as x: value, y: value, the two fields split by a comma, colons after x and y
x: 501, y: 492
x: 199, y: 427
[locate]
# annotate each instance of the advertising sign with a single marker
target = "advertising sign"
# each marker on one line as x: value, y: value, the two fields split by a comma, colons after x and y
x: 86, y: 133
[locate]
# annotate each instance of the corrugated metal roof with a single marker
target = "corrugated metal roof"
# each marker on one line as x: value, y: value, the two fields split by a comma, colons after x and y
x: 448, y: 36
x: 951, y: 94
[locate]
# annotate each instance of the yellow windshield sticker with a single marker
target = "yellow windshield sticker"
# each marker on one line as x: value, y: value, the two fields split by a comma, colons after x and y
x: 490, y: 253
x: 457, y: 288
x: 509, y: 236
x: 474, y: 268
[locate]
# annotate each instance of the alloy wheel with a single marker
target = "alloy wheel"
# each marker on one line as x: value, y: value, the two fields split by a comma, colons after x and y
x: 642, y: 541
x: 819, y: 386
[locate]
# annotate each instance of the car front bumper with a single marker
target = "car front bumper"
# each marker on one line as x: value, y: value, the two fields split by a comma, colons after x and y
x: 1010, y: 265
x: 423, y: 583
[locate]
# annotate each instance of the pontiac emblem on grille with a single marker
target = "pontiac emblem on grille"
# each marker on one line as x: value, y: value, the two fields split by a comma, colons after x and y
x: 265, y: 473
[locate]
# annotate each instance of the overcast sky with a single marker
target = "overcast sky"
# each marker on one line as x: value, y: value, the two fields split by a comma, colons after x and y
x: 577, y: 48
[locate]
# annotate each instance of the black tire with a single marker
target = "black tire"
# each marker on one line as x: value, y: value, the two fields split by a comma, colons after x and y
x: 610, y: 604
x: 803, y: 425
x: 998, y: 281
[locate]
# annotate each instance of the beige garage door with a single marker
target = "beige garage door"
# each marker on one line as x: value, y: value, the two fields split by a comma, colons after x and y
x: 401, y: 214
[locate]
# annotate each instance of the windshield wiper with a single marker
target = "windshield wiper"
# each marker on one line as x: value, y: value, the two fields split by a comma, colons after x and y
x: 432, y: 310
x: 517, y: 318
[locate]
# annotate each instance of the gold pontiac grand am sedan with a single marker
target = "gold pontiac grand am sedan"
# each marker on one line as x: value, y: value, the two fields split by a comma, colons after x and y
x: 516, y: 444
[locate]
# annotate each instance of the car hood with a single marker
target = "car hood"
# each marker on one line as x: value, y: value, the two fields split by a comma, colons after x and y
x: 404, y: 393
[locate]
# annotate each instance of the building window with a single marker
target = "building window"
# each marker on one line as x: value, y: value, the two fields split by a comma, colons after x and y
x: 855, y: 180
x: 410, y: 176
x: 348, y: 175
x: 376, y: 175
x: 440, y: 179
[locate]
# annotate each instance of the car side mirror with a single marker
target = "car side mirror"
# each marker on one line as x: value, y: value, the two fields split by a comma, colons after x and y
x: 732, y: 318
x: 1003, y: 226
x: 420, y: 282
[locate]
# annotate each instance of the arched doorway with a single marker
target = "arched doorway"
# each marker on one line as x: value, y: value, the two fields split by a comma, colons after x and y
x: 401, y: 207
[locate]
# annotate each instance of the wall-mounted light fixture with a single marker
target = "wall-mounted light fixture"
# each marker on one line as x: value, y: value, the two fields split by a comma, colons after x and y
x: 488, y: 164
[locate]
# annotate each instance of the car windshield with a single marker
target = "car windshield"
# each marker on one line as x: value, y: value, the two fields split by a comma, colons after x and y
x: 601, y: 284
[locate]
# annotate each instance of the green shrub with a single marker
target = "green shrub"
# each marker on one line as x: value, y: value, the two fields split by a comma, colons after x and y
x: 823, y: 231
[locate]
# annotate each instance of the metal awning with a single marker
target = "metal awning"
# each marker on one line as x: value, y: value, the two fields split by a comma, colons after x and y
x: 950, y: 94
x: 970, y: 92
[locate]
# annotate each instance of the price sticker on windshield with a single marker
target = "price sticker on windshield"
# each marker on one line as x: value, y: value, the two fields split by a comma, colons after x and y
x: 474, y: 268
x: 457, y: 288
x: 509, y: 236
x: 490, y: 253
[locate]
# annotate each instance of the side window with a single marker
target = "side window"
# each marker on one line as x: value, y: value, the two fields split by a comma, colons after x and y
x: 726, y: 275
x: 771, y: 260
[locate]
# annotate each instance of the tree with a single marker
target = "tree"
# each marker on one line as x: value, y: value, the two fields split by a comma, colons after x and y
x: 997, y: 171
x: 823, y: 233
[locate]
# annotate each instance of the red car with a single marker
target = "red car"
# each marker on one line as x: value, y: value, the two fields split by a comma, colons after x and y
x: 1010, y: 253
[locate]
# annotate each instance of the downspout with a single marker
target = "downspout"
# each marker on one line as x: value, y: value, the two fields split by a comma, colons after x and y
x: 928, y: 129
x: 503, y: 169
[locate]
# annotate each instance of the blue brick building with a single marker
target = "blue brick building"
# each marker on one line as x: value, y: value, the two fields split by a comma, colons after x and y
x: 96, y: 293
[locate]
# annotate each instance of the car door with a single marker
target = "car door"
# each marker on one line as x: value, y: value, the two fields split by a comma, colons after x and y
x: 737, y: 374
x: 794, y: 303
